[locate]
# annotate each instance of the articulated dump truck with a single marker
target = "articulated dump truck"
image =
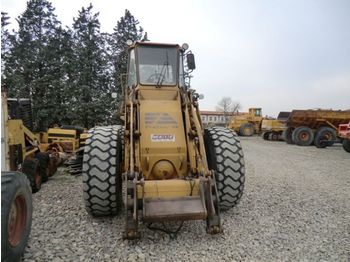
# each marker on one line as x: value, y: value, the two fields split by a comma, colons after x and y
x: 172, y: 168
x: 318, y: 127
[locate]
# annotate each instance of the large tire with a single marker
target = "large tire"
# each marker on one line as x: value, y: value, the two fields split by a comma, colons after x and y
x: 225, y: 157
x: 325, y: 136
x: 246, y: 129
x: 102, y: 180
x: 287, y: 135
x: 346, y: 145
x: 44, y: 161
x: 31, y: 168
x: 303, y: 136
x: 265, y: 135
x: 16, y: 215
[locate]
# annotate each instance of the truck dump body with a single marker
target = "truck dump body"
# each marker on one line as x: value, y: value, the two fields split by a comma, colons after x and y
x: 317, y: 118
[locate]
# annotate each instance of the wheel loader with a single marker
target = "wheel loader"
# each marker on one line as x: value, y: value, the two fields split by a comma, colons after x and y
x: 247, y: 124
x: 172, y: 169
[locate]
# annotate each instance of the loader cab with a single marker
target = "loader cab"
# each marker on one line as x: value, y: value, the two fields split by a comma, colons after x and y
x: 156, y: 65
x: 255, y: 112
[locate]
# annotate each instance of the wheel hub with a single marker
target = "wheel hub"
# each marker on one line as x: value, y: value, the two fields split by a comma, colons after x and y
x: 17, y: 220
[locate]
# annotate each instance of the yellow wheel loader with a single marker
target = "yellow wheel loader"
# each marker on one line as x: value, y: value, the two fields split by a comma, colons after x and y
x: 173, y: 169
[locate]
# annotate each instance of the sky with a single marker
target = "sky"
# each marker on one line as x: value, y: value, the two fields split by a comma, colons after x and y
x: 276, y: 54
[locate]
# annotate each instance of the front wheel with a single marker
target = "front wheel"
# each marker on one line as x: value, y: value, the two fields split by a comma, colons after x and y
x: 225, y: 157
x: 16, y: 215
x: 102, y: 181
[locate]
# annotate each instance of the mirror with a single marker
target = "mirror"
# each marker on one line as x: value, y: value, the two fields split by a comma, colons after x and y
x: 200, y: 96
x: 190, y: 61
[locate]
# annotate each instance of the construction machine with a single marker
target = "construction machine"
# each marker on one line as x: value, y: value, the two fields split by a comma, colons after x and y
x: 272, y: 129
x: 247, y: 124
x: 173, y: 169
x: 16, y: 199
x: 25, y: 152
x: 318, y: 127
x: 344, y: 134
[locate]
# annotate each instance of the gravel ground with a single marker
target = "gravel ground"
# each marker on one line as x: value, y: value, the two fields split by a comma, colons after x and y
x: 295, y: 207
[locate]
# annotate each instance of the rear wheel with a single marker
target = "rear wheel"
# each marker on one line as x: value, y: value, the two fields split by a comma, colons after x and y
x: 273, y: 136
x: 102, y: 181
x: 225, y: 157
x: 16, y: 215
x: 346, y: 145
x: 265, y: 135
x: 246, y: 129
x: 303, y: 136
x: 325, y: 136
x: 287, y: 135
x: 31, y: 168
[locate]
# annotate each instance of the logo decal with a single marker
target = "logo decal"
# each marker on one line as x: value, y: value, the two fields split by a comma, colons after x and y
x: 163, y: 138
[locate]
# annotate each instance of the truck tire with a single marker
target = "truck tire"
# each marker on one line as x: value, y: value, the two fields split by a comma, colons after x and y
x: 265, y: 135
x: 246, y: 129
x: 44, y: 161
x: 102, y: 180
x: 303, y: 136
x: 16, y: 215
x: 31, y: 168
x: 325, y: 136
x: 225, y: 157
x: 287, y: 135
x: 346, y: 145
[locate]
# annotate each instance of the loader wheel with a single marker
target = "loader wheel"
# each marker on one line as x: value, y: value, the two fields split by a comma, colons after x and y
x: 44, y: 161
x: 265, y: 135
x: 325, y: 136
x: 246, y: 129
x: 16, y: 215
x: 225, y: 157
x: 273, y: 136
x: 31, y: 168
x: 346, y: 145
x: 102, y: 180
x: 287, y: 135
x: 303, y: 136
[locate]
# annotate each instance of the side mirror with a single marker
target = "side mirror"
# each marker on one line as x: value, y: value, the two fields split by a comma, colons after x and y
x: 191, y: 64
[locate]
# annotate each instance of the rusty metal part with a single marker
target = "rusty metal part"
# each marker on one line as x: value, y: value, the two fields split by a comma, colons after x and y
x: 17, y: 220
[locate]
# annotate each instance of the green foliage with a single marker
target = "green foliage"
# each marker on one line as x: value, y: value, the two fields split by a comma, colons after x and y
x: 69, y: 74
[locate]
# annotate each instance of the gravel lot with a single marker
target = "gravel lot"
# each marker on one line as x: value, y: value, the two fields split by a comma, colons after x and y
x: 295, y: 207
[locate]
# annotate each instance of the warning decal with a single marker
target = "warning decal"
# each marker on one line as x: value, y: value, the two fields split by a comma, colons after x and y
x: 163, y: 138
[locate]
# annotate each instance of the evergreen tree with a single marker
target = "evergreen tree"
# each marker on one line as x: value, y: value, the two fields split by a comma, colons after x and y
x: 6, y: 40
x: 92, y: 79
x: 127, y: 29
x: 28, y: 69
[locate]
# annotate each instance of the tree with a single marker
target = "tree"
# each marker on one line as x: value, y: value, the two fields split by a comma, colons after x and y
x: 229, y: 107
x: 28, y: 69
x: 6, y: 40
x: 127, y: 28
x: 92, y: 78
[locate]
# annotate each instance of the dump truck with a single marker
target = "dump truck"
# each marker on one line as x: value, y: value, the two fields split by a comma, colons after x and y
x: 272, y: 129
x: 173, y: 169
x: 318, y: 127
x: 247, y: 124
x: 344, y: 134
x: 16, y: 200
